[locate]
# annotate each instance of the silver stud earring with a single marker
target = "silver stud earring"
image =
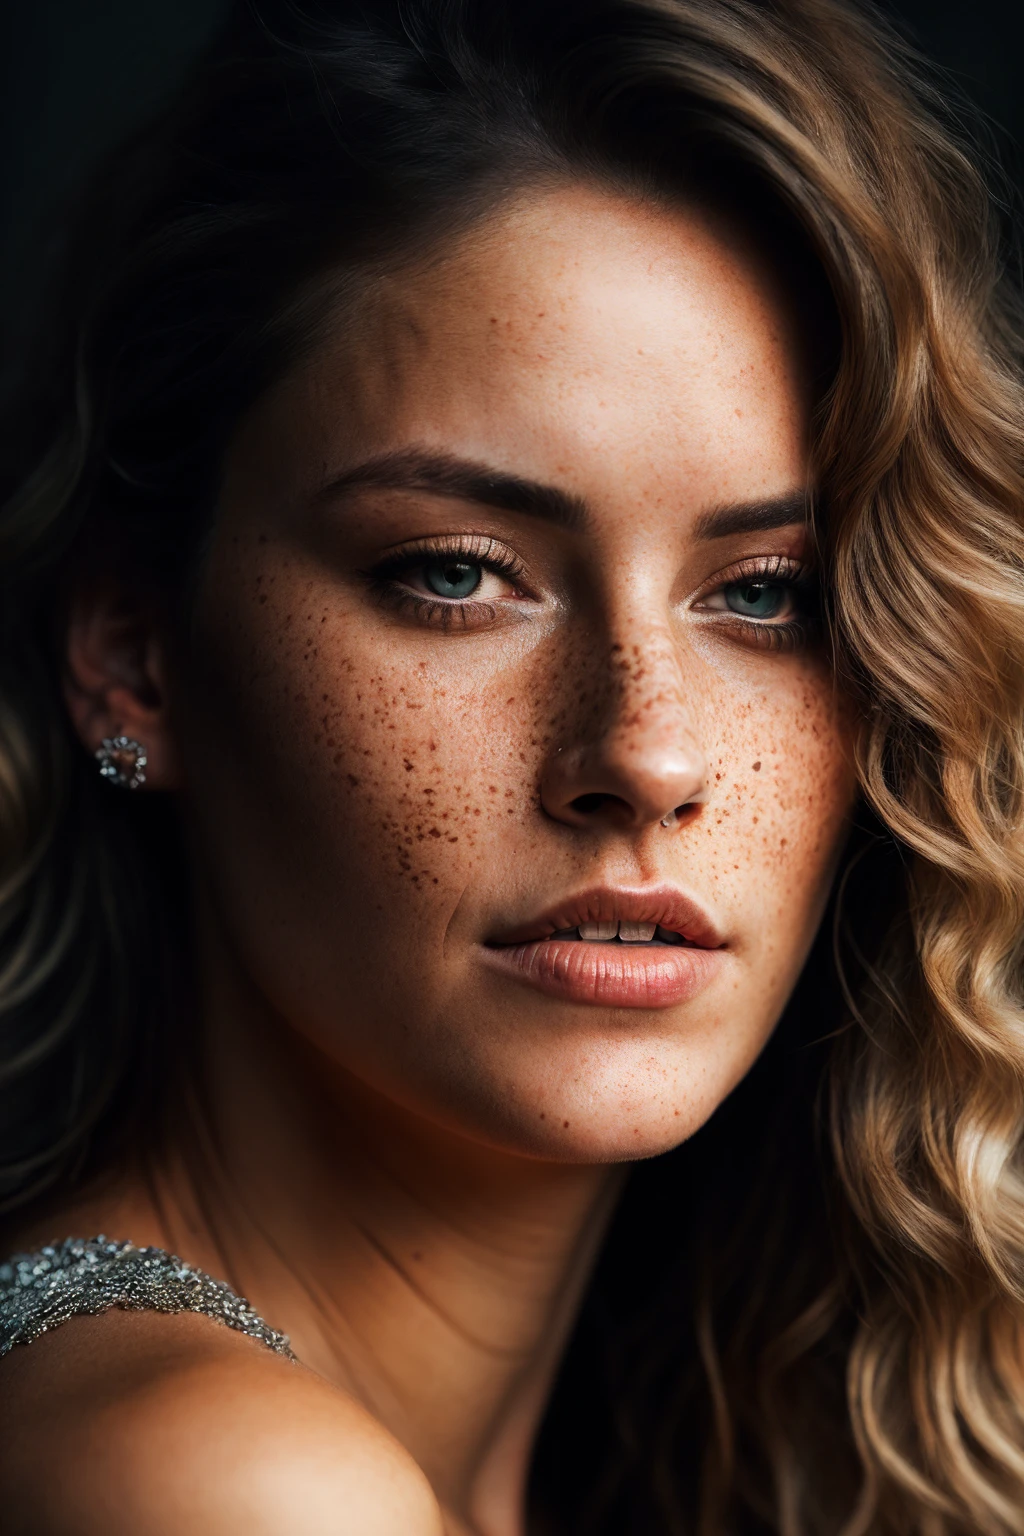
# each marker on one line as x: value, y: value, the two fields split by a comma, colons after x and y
x: 122, y: 761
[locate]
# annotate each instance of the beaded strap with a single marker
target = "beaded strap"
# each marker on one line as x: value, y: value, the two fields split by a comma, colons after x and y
x: 40, y: 1291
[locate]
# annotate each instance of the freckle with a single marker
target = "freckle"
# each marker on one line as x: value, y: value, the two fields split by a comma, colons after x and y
x: 756, y: 767
x: 677, y: 1114
x: 353, y: 781
x: 543, y: 1115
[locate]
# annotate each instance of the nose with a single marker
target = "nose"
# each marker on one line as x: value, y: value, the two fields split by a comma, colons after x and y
x: 636, y: 759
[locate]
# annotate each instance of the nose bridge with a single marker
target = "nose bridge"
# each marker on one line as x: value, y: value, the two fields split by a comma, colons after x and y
x: 634, y: 752
x: 649, y: 709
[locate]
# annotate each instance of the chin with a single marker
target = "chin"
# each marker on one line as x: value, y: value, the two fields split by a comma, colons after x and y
x: 604, y: 1140
x: 628, y: 1111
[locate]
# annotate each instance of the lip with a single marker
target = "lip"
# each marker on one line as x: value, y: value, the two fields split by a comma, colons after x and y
x: 661, y: 904
x: 614, y: 975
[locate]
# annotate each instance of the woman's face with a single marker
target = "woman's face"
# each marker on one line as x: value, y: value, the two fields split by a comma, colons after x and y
x: 507, y: 628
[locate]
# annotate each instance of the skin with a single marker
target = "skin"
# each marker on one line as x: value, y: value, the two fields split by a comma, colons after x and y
x: 410, y: 1153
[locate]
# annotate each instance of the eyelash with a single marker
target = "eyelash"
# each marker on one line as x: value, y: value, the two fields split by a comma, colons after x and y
x: 449, y: 613
x: 439, y: 612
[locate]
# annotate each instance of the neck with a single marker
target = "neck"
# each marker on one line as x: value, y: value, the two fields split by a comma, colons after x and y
x: 433, y: 1277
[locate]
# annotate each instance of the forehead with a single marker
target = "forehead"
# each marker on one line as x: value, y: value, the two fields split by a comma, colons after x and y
x: 570, y: 325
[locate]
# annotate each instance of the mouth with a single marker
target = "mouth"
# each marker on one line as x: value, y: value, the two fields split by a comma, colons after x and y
x: 649, y: 948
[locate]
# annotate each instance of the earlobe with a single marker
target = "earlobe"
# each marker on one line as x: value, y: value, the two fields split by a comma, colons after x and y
x: 115, y: 688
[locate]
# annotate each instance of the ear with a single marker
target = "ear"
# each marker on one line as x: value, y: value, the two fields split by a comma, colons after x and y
x: 116, y: 678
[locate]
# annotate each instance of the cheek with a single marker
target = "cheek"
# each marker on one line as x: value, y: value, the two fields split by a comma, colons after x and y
x: 354, y: 770
x: 783, y: 788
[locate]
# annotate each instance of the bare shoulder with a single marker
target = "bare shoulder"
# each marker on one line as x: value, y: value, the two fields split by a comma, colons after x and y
x: 145, y: 1424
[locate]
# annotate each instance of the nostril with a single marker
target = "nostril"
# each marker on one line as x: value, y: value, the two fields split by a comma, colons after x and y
x: 588, y: 805
x: 681, y: 813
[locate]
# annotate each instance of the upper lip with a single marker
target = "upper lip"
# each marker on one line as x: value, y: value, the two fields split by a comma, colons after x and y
x: 661, y: 904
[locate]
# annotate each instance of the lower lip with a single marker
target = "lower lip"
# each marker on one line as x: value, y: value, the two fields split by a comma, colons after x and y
x: 610, y: 975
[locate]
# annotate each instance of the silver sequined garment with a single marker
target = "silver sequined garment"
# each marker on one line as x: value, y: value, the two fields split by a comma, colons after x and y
x: 39, y: 1291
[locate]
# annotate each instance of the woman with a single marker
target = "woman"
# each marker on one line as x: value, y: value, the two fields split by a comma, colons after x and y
x: 512, y: 667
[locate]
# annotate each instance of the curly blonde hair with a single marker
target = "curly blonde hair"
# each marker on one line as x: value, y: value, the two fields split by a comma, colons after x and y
x: 829, y: 1341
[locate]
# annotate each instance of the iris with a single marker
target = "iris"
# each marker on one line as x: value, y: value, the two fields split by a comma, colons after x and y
x: 452, y: 578
x: 756, y: 599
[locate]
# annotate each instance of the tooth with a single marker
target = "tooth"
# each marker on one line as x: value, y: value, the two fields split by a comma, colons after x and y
x: 598, y: 930
x: 636, y: 933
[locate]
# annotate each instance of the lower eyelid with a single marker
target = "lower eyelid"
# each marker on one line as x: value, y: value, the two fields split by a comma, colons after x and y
x: 438, y: 612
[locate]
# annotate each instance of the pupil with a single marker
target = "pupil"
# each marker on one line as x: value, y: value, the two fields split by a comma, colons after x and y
x: 452, y: 578
x: 756, y: 599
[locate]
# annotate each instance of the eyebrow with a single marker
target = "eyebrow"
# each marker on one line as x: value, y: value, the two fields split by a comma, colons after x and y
x: 754, y: 516
x: 443, y: 474
x: 415, y: 469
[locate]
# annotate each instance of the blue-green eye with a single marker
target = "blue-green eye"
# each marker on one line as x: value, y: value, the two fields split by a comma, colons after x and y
x: 757, y: 599
x: 452, y: 578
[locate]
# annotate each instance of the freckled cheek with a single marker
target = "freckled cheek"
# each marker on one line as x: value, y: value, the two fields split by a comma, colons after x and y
x: 382, y: 766
x: 786, y: 791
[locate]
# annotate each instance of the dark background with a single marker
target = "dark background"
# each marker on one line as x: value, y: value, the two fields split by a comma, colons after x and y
x: 75, y: 74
